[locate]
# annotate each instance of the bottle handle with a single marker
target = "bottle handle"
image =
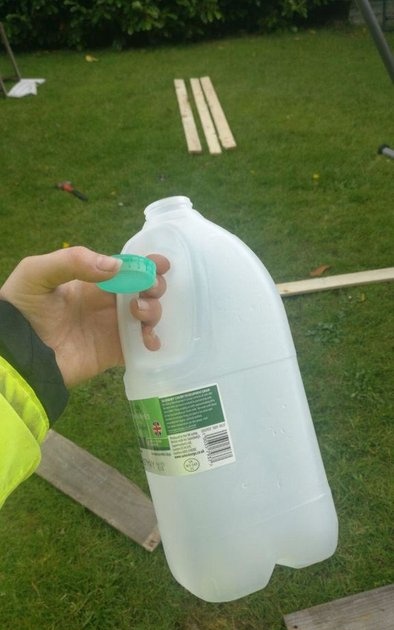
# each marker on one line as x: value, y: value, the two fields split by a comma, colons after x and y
x: 180, y: 326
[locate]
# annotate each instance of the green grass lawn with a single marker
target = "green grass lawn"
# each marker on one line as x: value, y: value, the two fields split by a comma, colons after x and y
x: 300, y: 105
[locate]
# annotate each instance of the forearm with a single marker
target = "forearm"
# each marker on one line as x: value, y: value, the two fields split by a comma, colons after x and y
x: 32, y: 395
x: 23, y: 425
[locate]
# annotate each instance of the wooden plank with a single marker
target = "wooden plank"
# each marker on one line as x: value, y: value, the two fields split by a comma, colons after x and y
x: 100, y: 488
x: 222, y: 126
x: 188, y: 122
x: 371, y: 610
x: 336, y: 282
x: 205, y: 117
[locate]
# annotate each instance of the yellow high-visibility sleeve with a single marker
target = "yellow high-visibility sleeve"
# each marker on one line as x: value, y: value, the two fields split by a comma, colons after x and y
x: 23, y: 426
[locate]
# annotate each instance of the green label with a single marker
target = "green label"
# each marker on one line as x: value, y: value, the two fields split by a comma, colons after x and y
x: 149, y: 423
x: 183, y: 433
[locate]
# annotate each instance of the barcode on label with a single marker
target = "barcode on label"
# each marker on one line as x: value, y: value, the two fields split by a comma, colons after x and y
x: 218, y: 446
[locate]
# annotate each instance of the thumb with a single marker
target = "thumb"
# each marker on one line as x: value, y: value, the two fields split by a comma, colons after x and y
x: 42, y: 274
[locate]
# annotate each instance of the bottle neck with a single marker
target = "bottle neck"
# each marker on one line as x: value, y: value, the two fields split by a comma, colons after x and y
x: 163, y: 207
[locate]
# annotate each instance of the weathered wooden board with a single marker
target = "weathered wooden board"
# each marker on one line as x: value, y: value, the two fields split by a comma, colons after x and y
x: 371, y: 610
x: 222, y: 126
x: 100, y: 488
x: 205, y: 117
x: 335, y: 282
x: 188, y: 122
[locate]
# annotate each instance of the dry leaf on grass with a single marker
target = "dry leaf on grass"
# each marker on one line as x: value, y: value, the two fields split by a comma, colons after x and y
x: 315, y: 273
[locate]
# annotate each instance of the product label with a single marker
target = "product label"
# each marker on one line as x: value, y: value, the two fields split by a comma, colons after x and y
x: 183, y: 434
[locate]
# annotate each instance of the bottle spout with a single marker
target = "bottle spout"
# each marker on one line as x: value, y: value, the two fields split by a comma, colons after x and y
x: 164, y: 206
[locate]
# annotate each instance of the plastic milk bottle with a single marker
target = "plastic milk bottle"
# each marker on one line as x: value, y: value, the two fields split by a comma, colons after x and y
x: 223, y: 423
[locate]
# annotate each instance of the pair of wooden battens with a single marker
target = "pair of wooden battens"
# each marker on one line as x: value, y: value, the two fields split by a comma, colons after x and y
x: 216, y: 129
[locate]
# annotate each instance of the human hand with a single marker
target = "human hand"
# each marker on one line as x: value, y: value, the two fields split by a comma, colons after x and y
x: 57, y: 294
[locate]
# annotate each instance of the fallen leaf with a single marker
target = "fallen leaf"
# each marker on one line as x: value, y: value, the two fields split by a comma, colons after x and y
x: 65, y: 245
x: 90, y: 58
x: 315, y: 273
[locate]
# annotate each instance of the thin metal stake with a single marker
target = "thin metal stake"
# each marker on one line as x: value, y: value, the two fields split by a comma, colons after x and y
x: 377, y: 35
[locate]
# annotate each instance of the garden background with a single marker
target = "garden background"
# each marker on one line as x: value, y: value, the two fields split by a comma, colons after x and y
x: 309, y: 105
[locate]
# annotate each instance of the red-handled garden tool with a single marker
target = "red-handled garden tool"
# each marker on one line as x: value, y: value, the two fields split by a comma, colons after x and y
x: 68, y: 187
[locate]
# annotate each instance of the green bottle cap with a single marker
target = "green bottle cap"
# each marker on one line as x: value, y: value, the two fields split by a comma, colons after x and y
x: 136, y: 274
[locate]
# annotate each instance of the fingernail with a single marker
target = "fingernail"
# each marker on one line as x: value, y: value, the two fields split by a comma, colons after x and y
x: 143, y: 305
x: 108, y: 263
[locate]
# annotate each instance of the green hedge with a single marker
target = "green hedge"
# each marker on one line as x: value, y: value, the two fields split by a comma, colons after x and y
x: 88, y: 23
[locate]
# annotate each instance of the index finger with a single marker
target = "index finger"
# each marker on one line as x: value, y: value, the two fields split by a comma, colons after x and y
x: 162, y: 263
x: 159, y: 288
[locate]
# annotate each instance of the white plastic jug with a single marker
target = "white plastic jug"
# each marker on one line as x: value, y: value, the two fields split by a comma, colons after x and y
x: 223, y: 423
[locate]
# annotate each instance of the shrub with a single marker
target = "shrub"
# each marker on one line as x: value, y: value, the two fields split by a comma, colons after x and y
x: 88, y: 23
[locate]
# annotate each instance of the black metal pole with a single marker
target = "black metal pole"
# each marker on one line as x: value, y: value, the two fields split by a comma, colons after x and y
x: 377, y: 35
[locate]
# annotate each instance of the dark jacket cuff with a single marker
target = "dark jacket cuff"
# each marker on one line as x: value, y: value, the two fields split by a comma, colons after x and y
x: 33, y: 359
